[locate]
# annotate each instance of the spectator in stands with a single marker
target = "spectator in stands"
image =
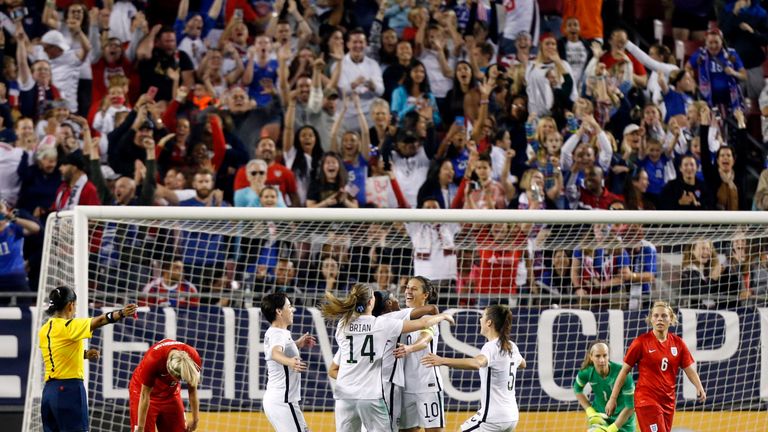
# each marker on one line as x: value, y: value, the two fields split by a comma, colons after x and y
x: 384, y: 280
x: 192, y: 29
x: 14, y: 226
x: 534, y: 194
x: 277, y: 173
x: 700, y: 278
x: 686, y: 192
x: 434, y: 255
x: 35, y: 85
x: 735, y: 275
x: 594, y: 194
x: 498, y: 264
x: 302, y: 150
x: 39, y: 182
x: 599, y: 270
x: 394, y: 74
x: 206, y: 256
x: 256, y: 170
x: 548, y: 68
x: 439, y: 184
x: 719, y: 72
x: 75, y: 188
x: 635, y: 189
x: 261, y: 71
x: 64, y: 60
x: 589, y: 15
x: 478, y: 190
x: 285, y: 277
x: 745, y: 25
x: 575, y: 50
x: 555, y: 279
x: 354, y: 151
x: 644, y: 265
x: 760, y: 200
x: 725, y: 175
x: 359, y: 74
x: 11, y: 159
x: 410, y: 159
x: 157, y: 54
x: 170, y: 288
x: 618, y: 53
x: 520, y: 16
x: 331, y: 186
x: 125, y: 187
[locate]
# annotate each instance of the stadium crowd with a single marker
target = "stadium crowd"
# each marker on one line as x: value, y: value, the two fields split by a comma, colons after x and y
x: 521, y: 104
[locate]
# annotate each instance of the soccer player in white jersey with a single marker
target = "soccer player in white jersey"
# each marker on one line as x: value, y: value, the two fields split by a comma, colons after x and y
x: 392, y: 368
x: 497, y: 363
x: 281, y: 399
x: 362, y: 340
x: 423, y: 388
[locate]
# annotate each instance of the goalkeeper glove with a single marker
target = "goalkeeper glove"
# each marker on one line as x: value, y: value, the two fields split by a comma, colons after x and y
x: 596, y: 418
x: 601, y: 428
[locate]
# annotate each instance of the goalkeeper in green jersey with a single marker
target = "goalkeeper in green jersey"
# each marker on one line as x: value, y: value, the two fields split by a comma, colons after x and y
x: 601, y: 374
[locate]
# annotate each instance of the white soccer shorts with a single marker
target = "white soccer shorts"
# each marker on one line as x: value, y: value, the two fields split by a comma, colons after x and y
x: 422, y: 410
x: 285, y: 417
x: 351, y: 415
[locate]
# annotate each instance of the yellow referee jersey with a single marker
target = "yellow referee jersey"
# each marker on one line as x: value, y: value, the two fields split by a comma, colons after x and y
x: 61, y: 342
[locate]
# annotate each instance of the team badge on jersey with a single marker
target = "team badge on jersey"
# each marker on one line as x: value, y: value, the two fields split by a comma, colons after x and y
x: 674, y: 351
x: 654, y: 428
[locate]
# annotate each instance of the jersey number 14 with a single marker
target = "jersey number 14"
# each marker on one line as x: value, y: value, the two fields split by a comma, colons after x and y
x: 365, y: 351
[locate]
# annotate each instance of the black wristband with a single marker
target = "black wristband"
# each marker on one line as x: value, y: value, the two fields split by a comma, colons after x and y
x: 110, y: 317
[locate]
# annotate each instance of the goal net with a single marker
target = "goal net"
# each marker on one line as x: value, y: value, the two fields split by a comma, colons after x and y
x: 570, y: 277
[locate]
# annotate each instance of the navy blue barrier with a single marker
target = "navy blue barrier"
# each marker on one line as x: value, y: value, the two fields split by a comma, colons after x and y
x: 726, y: 345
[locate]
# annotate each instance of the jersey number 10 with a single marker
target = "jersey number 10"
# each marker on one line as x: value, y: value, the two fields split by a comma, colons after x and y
x: 366, y: 351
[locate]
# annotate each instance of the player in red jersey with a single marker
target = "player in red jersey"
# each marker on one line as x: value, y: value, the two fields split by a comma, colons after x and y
x: 155, y: 389
x: 659, y: 355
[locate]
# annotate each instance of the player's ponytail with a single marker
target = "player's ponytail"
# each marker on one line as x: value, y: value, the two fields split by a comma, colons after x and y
x: 59, y: 298
x: 501, y: 317
x: 181, y: 365
x: 345, y: 309
x: 587, y: 362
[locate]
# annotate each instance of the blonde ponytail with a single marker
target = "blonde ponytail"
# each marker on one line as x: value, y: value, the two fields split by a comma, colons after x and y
x: 180, y: 364
x: 347, y: 308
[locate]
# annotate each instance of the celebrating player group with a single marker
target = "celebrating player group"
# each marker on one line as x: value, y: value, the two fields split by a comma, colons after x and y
x: 385, y: 369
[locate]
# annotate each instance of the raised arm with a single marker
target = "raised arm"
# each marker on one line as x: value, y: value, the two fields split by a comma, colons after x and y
x: 365, y: 136
x: 337, y: 125
x: 113, y: 317
x: 51, y: 16
x: 144, y: 50
x: 25, y: 75
x: 290, y: 116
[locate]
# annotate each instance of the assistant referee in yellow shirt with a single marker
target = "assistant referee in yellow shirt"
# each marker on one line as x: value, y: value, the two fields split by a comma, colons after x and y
x: 65, y: 405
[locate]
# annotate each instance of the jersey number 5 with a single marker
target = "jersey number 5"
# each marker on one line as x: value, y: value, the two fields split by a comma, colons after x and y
x: 511, y: 382
x: 366, y: 351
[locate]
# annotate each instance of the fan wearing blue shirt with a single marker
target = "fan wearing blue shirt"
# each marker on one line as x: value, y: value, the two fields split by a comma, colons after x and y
x: 14, y: 226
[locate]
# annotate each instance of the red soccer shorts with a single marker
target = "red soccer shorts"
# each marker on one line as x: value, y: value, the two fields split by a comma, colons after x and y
x: 654, y: 418
x: 167, y: 414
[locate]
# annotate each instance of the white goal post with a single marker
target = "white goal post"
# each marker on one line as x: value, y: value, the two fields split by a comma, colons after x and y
x: 570, y: 276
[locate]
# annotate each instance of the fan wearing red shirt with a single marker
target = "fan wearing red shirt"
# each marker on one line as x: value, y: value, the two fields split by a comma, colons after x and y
x: 155, y: 389
x: 659, y: 354
x: 277, y: 174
